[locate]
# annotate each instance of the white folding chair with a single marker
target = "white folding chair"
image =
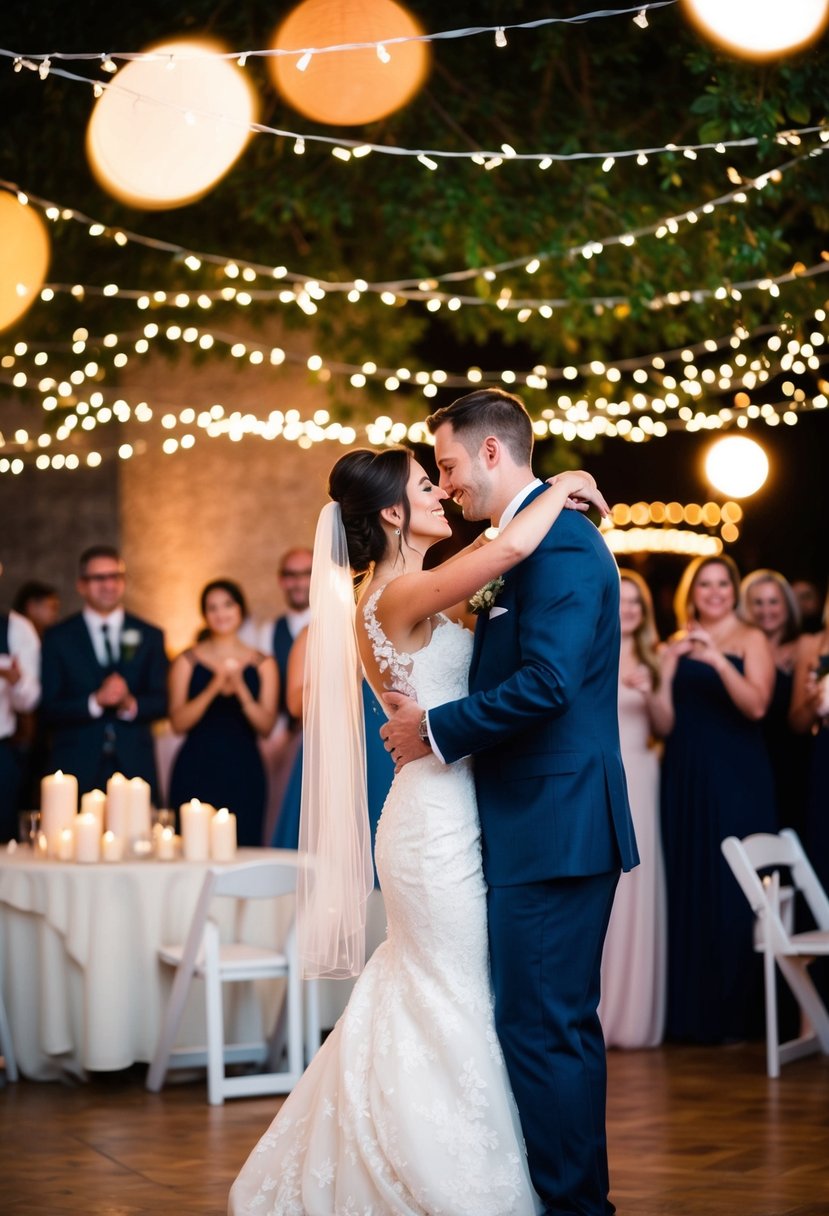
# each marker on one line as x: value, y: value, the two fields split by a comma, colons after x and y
x: 791, y: 952
x: 206, y: 956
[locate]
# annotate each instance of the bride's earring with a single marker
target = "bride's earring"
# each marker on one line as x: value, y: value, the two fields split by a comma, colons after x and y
x: 396, y: 531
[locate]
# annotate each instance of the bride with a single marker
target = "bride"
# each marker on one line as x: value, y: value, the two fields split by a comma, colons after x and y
x: 406, y: 1109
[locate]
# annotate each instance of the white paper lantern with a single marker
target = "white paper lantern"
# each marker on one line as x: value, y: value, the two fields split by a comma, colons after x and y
x: 155, y: 155
x: 759, y: 29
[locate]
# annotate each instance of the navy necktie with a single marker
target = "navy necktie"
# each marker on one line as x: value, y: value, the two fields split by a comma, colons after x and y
x: 108, y: 647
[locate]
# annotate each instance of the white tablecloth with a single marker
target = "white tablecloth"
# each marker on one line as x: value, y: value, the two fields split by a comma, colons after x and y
x: 81, y: 978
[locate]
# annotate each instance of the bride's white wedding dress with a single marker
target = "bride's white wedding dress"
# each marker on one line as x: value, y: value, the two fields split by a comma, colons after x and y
x: 406, y: 1109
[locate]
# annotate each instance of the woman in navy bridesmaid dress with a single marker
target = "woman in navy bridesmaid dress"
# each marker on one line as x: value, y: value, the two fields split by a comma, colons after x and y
x: 379, y: 764
x: 810, y: 715
x: 223, y: 696
x: 716, y: 782
x: 767, y: 601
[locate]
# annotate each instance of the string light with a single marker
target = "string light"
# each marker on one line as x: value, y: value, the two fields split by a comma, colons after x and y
x: 334, y: 48
x: 414, y: 288
x: 486, y: 159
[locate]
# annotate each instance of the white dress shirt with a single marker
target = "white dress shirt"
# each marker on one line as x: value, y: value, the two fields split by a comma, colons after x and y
x: 260, y: 636
x: 20, y: 698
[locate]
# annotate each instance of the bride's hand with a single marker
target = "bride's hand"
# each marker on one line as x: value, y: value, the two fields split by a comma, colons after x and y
x: 582, y: 491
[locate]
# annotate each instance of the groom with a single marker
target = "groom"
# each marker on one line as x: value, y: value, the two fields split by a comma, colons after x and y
x: 541, y: 721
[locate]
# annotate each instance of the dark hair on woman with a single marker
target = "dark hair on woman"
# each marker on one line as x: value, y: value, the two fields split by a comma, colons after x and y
x: 363, y: 483
x: 233, y: 590
x: 34, y: 590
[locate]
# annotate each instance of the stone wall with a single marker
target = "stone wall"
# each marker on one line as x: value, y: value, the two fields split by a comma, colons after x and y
x: 221, y: 508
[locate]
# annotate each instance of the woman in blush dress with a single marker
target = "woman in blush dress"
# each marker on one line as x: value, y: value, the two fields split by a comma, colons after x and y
x: 716, y: 782
x: 406, y: 1109
x: 632, y: 1008
x: 223, y: 696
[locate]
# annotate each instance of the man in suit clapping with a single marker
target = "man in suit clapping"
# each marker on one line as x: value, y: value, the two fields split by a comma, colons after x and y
x: 104, y: 681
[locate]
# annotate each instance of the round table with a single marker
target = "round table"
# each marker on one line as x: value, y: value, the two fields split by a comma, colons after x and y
x: 83, y: 986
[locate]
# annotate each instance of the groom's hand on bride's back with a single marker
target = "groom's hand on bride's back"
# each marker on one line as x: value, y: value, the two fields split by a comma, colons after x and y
x: 401, y: 734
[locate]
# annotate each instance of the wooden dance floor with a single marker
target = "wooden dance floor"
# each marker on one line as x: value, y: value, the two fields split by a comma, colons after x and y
x: 693, y: 1132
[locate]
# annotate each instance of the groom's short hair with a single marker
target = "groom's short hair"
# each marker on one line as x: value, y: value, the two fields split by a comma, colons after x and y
x: 489, y: 411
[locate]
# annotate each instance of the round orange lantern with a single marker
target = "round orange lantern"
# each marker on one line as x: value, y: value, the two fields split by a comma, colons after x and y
x: 24, y: 257
x: 348, y: 88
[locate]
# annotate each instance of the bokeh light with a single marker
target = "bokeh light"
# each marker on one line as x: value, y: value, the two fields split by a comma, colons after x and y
x: 759, y: 29
x: 24, y: 257
x: 736, y: 466
x: 348, y: 88
x: 165, y: 155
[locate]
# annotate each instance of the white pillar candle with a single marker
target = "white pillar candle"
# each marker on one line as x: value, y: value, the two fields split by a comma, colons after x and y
x: 223, y: 836
x: 165, y: 845
x: 112, y: 847
x: 58, y: 806
x: 195, y: 829
x: 118, y: 802
x: 87, y: 829
x: 94, y: 803
x: 138, y: 827
x: 66, y: 845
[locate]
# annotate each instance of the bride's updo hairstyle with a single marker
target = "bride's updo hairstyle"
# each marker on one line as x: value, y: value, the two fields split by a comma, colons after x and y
x: 363, y: 483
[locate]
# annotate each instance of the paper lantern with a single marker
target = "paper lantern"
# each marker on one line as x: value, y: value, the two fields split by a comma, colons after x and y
x: 165, y: 155
x: 24, y: 257
x: 348, y: 88
x: 759, y: 29
x: 736, y: 466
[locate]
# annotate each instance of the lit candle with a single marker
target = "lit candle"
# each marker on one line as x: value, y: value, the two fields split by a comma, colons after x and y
x: 66, y: 845
x: 94, y: 803
x: 138, y: 827
x: 195, y: 829
x: 223, y: 836
x: 87, y: 829
x: 118, y: 802
x: 112, y: 847
x: 58, y: 805
x: 165, y: 845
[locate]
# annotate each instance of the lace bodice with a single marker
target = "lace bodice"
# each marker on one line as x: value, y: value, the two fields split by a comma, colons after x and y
x: 436, y: 673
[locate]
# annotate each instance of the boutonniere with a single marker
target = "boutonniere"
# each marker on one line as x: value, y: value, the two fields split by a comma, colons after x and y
x: 484, y: 599
x: 130, y: 641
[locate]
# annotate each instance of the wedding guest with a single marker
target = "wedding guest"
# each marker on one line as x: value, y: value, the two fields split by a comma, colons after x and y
x: 768, y: 601
x: 223, y: 696
x: 19, y: 693
x: 809, y: 601
x: 716, y: 782
x: 632, y: 1008
x: 39, y: 603
x: 379, y: 764
x: 276, y: 637
x: 104, y: 681
x: 810, y: 715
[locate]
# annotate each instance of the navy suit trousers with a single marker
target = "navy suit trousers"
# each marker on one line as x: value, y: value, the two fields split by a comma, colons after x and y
x: 546, y: 942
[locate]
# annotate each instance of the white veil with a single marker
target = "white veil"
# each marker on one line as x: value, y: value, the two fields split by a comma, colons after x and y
x: 334, y: 828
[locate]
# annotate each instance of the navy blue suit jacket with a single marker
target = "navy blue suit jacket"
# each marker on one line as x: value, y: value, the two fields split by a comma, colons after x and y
x: 541, y: 718
x: 71, y: 672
